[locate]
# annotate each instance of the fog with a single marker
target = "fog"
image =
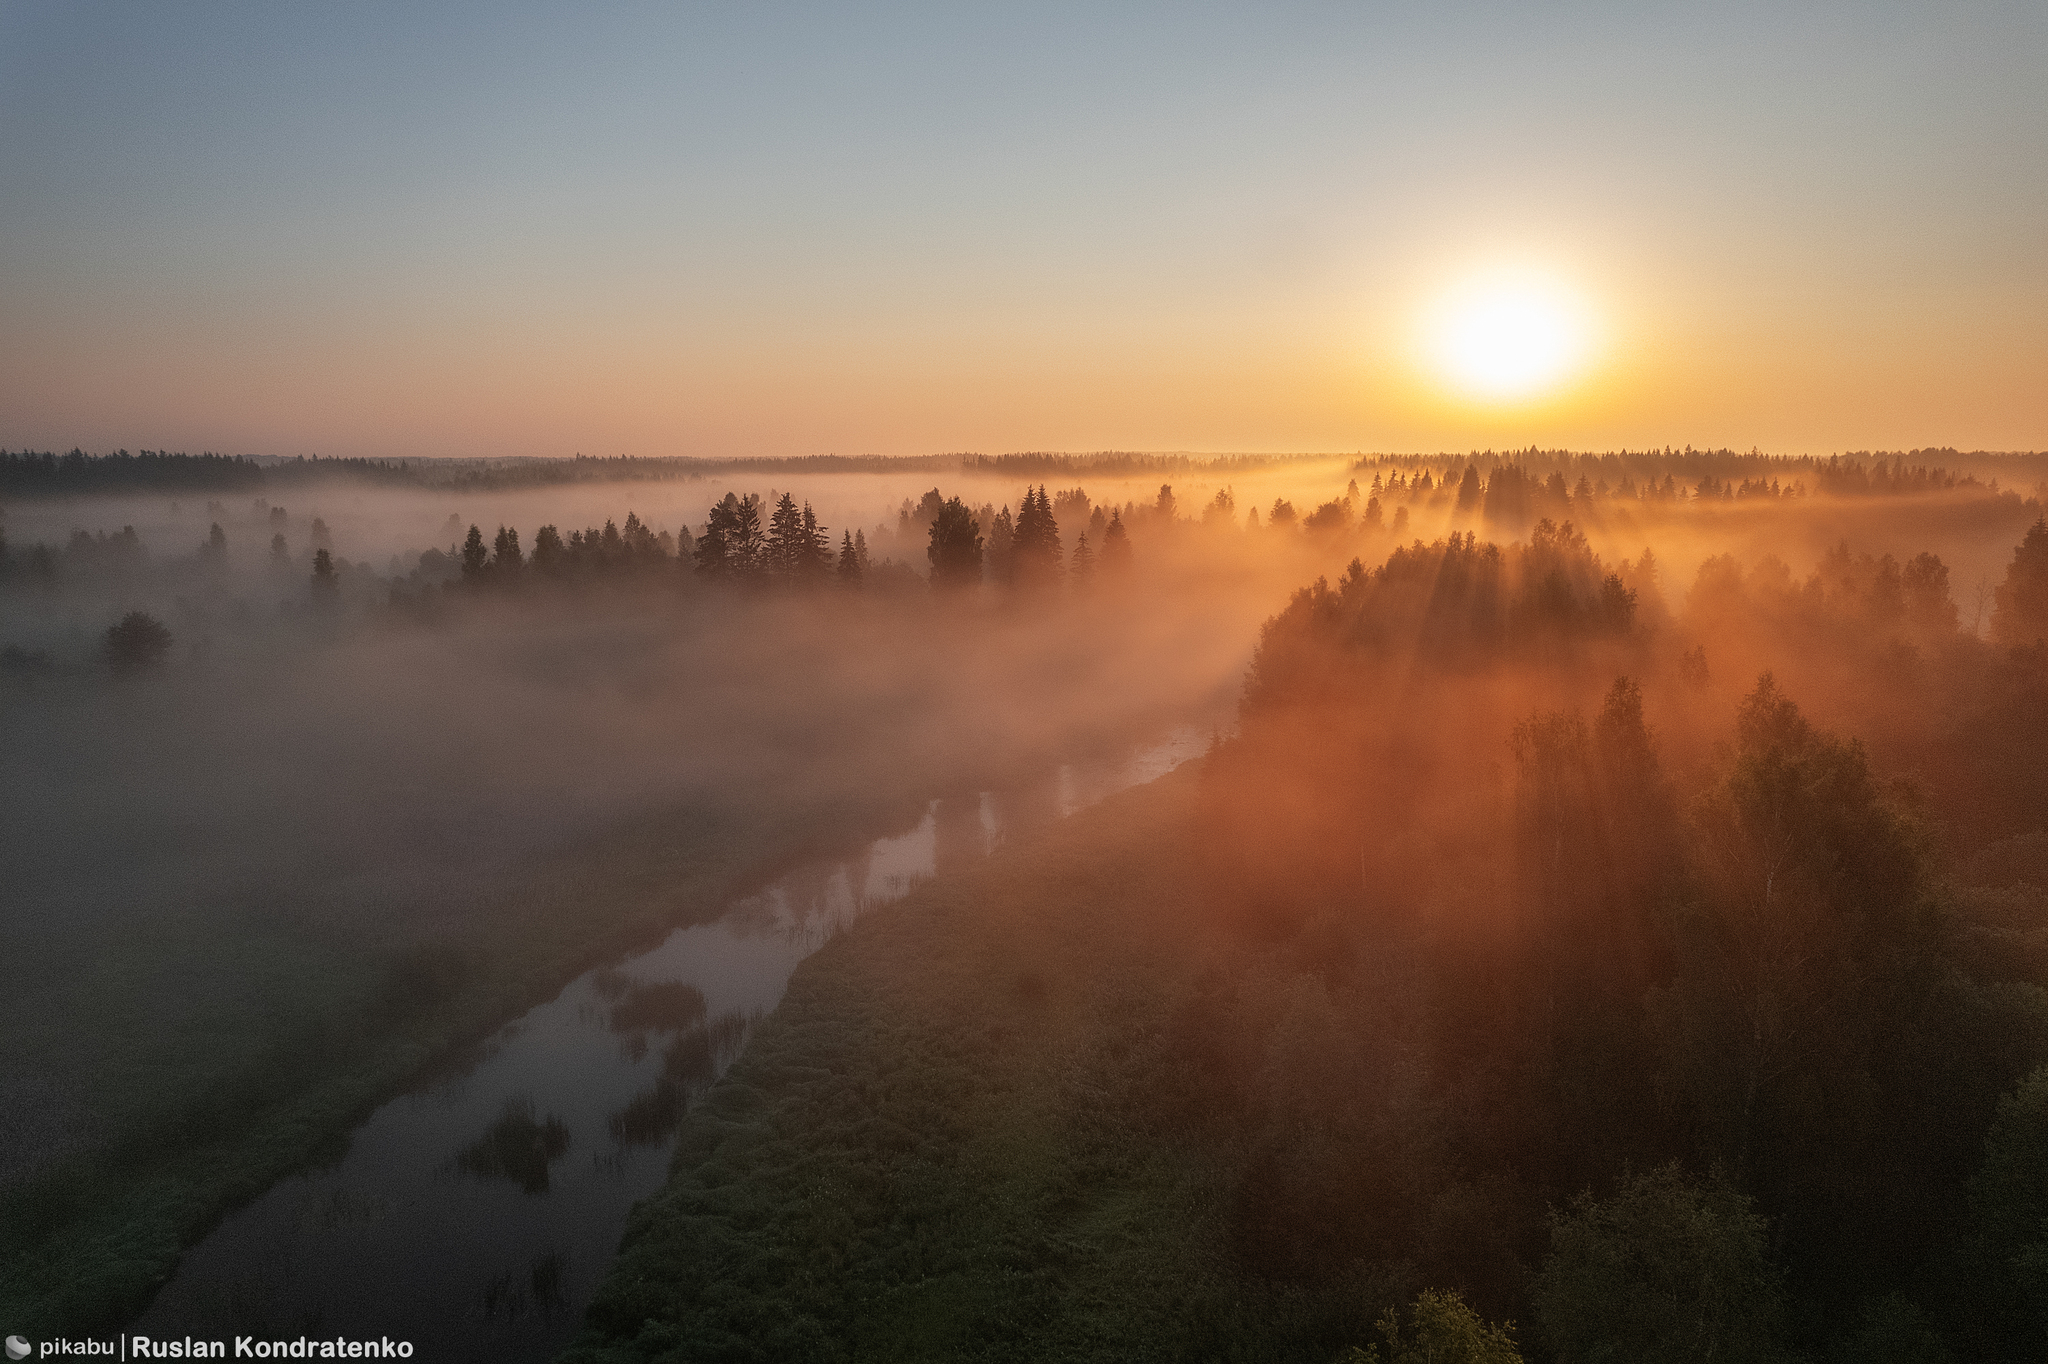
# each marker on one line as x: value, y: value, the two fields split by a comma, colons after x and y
x: 347, y: 814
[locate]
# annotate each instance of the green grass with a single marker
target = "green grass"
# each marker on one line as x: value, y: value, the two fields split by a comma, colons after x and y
x: 938, y: 1147
x: 226, y: 1049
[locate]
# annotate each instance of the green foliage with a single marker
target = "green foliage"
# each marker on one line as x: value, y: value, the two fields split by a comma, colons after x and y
x: 1442, y: 1330
x: 1669, y: 1268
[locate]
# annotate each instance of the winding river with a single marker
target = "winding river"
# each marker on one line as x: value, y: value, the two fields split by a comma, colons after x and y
x: 475, y: 1215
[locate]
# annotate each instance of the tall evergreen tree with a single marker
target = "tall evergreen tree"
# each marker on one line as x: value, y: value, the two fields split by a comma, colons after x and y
x: 506, y: 558
x: 787, y: 545
x: 474, y: 556
x: 1035, y: 545
x: 746, y: 545
x: 814, y: 561
x: 1116, y: 548
x: 710, y: 552
x: 849, y: 561
x: 547, y: 550
x: 640, y: 545
x: 955, y: 550
x: 1081, y: 573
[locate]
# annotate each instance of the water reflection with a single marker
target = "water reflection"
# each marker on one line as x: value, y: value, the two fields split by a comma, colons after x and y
x: 476, y: 1215
x: 516, y: 1148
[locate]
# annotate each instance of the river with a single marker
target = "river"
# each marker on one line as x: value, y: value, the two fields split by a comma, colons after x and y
x: 475, y: 1215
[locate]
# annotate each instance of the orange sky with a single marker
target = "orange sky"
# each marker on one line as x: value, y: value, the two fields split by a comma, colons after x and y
x: 378, y: 232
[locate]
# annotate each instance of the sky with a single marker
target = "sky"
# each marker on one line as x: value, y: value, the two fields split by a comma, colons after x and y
x: 756, y: 229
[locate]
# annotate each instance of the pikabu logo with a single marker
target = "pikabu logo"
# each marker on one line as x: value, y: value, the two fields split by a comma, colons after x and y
x: 17, y: 1348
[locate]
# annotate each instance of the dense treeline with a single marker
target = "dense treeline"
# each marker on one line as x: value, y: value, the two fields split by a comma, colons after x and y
x: 1731, y: 947
x: 1642, y: 473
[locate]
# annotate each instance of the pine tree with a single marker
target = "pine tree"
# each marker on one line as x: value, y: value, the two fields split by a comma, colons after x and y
x: 849, y: 560
x: 860, y: 551
x: 474, y: 555
x: 1116, y: 548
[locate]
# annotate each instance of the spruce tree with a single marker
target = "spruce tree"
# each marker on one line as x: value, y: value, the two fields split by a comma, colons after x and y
x: 474, y: 555
x: 547, y: 550
x: 849, y: 560
x: 506, y: 558
x: 1116, y: 548
x: 746, y: 547
x: 955, y: 550
x: 784, y: 554
x: 711, y: 555
x: 814, y: 563
x: 1035, y: 545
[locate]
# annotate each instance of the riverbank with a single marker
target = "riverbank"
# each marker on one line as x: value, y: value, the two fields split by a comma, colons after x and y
x: 957, y: 1137
x: 269, y: 1074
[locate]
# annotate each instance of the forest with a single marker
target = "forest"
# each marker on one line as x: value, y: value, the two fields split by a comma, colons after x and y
x: 1610, y: 920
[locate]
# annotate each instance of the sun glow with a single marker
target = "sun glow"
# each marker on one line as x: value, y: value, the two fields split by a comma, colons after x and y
x: 1509, y: 337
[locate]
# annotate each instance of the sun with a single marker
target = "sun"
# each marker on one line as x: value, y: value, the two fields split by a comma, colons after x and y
x: 1509, y: 337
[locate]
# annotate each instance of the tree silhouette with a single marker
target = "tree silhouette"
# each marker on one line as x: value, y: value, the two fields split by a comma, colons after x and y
x: 1116, y: 548
x: 813, y: 562
x: 1035, y: 544
x: 547, y: 550
x: 506, y: 558
x: 2019, y: 613
x: 325, y: 585
x: 475, y: 558
x: 955, y: 550
x: 1082, y: 571
x: 138, y: 642
x: 849, y: 560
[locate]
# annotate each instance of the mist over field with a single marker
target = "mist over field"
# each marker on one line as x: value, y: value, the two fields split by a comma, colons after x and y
x: 314, y: 778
